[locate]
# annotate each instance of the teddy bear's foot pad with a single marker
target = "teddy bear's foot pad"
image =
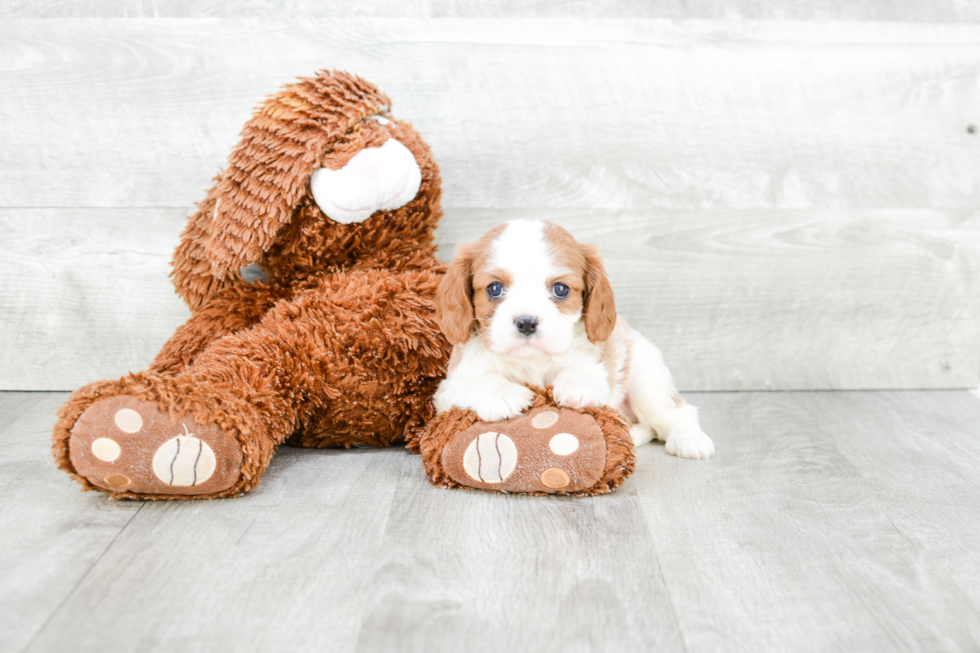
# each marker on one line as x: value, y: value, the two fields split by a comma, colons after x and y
x: 131, y: 446
x: 546, y: 450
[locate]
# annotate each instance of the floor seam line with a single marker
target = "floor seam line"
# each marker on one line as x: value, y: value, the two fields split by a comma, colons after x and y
x: 81, y: 580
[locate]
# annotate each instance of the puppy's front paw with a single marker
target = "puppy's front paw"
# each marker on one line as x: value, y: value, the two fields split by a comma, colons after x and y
x: 695, y: 445
x: 504, y: 402
x: 580, y: 391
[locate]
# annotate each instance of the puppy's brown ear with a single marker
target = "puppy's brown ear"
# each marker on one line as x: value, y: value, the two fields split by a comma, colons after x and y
x: 600, y: 304
x: 454, y: 299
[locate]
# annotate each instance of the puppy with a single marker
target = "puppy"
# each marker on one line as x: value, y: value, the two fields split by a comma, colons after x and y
x: 528, y: 304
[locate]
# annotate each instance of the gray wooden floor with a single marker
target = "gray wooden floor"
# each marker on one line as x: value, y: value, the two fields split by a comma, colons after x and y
x: 836, y: 520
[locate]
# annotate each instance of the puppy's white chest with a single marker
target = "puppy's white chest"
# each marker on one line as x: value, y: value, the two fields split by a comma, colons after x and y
x: 534, y: 373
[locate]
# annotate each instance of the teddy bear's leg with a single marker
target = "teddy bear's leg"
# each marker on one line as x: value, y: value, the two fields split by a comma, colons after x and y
x: 330, y: 359
x: 208, y: 430
x: 149, y: 434
x: 235, y: 308
x: 547, y: 450
x: 198, y: 433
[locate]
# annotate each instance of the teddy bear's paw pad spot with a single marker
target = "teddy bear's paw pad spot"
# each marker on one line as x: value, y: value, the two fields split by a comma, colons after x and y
x: 563, y: 444
x: 184, y: 461
x: 106, y: 449
x: 128, y: 420
x: 555, y: 478
x: 490, y: 458
x: 547, y: 449
x: 121, y: 444
x: 544, y: 419
x: 117, y: 481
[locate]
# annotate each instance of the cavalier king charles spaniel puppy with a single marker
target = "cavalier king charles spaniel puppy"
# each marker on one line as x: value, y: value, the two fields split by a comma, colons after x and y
x: 528, y: 304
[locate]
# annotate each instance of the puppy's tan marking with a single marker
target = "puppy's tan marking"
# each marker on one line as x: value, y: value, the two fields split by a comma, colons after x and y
x: 598, y: 304
x: 455, y: 310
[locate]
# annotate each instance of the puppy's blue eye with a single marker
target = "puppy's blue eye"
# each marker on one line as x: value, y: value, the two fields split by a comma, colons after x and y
x: 495, y: 289
x: 560, y: 290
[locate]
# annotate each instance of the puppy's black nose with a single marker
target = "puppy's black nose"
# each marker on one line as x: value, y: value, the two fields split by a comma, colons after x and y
x: 526, y: 324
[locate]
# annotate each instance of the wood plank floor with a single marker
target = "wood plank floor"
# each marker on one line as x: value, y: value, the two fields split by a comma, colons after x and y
x: 828, y: 521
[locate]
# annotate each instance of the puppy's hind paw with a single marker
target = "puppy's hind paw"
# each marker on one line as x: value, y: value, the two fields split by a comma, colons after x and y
x: 695, y: 446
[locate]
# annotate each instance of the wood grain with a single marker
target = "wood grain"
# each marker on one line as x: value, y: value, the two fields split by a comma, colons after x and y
x: 741, y: 300
x: 275, y: 570
x: 783, y: 205
x: 823, y: 512
x: 582, y: 114
x: 783, y: 299
x: 827, y: 521
x: 579, y: 575
x: 51, y: 534
x: 85, y: 294
x: 936, y: 11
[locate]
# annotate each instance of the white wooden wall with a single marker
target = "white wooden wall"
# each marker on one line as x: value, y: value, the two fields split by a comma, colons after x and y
x: 783, y: 204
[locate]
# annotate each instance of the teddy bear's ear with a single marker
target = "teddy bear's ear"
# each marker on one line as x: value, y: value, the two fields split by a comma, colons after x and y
x: 268, y: 174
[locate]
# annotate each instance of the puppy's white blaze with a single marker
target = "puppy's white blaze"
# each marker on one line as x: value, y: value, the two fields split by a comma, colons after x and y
x: 522, y: 250
x: 376, y: 179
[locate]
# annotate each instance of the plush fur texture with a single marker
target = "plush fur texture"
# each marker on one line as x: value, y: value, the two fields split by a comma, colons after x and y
x: 260, y: 209
x: 340, y: 346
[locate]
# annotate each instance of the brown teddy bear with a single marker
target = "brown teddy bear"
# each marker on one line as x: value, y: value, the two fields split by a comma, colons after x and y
x: 336, y: 202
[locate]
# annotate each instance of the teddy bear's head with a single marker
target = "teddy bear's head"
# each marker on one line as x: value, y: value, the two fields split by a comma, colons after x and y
x: 324, y: 176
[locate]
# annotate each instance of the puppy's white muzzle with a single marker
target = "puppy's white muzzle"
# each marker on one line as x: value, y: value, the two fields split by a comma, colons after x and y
x: 376, y: 179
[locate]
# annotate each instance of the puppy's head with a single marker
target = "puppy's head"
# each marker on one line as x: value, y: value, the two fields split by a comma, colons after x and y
x: 523, y: 288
